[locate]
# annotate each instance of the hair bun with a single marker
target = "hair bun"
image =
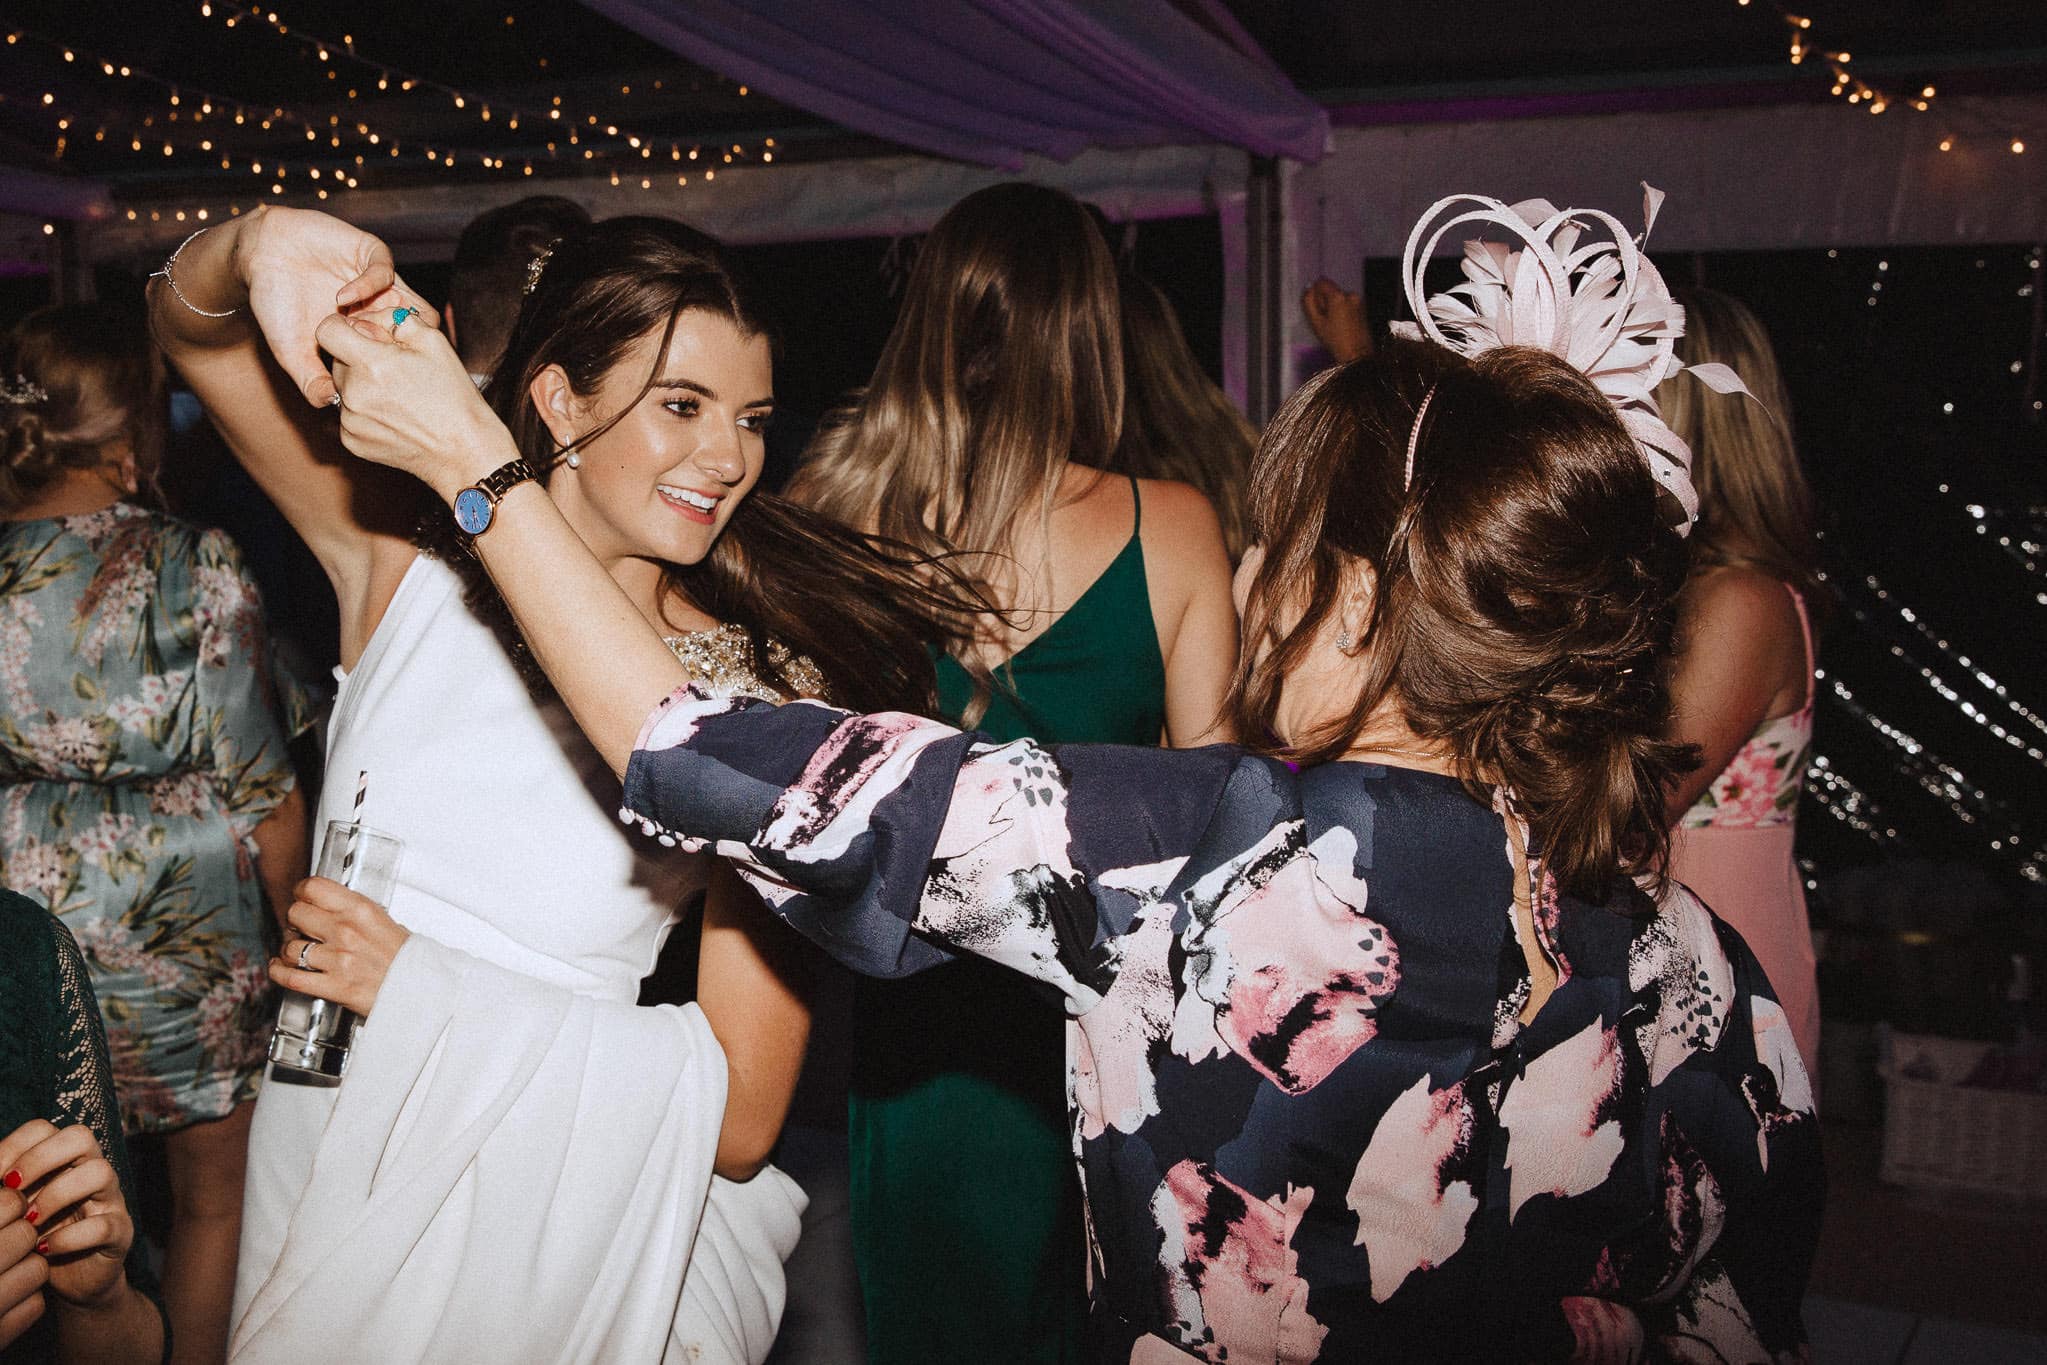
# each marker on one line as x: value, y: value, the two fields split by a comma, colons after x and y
x: 26, y: 456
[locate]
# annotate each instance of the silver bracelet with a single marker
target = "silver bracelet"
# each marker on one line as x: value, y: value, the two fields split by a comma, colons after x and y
x: 178, y: 293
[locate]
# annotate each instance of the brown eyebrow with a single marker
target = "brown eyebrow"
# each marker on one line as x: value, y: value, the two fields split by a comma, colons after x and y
x: 691, y: 386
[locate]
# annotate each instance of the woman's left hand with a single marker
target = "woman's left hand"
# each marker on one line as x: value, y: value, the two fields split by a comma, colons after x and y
x: 346, y: 941
x: 408, y: 402
x: 75, y: 1203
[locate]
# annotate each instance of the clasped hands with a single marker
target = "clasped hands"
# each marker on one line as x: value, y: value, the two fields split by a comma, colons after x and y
x: 317, y: 284
x: 64, y: 1225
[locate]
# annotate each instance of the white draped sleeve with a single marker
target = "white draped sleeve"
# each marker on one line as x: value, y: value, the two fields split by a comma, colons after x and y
x: 509, y: 1152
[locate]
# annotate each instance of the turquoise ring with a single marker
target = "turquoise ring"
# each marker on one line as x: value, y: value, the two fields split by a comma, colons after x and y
x: 400, y: 316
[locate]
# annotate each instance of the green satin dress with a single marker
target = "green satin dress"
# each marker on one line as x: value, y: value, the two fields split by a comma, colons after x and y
x: 966, y: 1210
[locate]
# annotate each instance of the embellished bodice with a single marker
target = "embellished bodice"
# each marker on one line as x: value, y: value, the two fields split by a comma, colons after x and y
x: 721, y: 663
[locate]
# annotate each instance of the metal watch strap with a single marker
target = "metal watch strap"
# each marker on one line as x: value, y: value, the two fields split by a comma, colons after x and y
x: 505, y: 478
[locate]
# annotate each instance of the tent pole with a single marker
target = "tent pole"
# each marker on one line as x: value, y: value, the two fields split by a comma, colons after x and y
x: 70, y: 278
x: 1264, y: 231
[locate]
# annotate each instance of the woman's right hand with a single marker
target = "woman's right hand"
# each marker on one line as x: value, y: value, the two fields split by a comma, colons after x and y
x: 1337, y: 318
x: 355, y: 938
x: 300, y: 268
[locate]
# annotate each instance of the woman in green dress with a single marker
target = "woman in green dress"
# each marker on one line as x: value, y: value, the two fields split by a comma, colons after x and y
x: 987, y: 434
x: 146, y: 795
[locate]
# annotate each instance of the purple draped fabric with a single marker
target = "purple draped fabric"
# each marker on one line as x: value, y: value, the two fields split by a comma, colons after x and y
x: 35, y: 194
x: 991, y: 81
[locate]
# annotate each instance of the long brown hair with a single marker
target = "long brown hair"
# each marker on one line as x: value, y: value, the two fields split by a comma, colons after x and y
x: 100, y: 380
x: 1005, y: 363
x: 1755, y: 508
x: 1177, y: 422
x: 1525, y: 588
x: 862, y: 610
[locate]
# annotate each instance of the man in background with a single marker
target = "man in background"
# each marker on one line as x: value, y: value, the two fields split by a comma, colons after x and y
x: 492, y: 258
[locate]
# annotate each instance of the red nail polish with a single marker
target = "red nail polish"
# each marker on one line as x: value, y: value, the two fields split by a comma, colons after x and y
x: 42, y: 1248
x: 33, y: 1214
x: 12, y: 1180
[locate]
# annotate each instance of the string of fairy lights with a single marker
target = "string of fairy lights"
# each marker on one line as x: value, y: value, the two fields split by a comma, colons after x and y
x: 1837, y: 795
x: 188, y: 127
x: 2004, y: 828
x: 1805, y: 47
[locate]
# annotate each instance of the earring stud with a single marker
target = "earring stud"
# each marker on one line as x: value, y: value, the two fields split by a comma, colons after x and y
x: 1343, y: 641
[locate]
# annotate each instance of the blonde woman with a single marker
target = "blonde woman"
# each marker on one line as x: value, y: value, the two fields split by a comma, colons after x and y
x: 1744, y: 681
x: 987, y: 433
x: 1177, y: 422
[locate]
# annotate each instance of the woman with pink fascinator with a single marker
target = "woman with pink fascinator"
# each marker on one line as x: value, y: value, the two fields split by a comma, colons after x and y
x: 1413, y: 1053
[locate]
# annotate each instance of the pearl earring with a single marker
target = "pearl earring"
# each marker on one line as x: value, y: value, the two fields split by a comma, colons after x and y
x: 573, y: 460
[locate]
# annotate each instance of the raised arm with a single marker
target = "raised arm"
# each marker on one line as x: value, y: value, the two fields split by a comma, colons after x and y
x: 409, y: 403
x: 239, y: 327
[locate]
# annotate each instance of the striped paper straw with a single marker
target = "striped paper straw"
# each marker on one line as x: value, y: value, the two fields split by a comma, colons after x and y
x: 362, y: 790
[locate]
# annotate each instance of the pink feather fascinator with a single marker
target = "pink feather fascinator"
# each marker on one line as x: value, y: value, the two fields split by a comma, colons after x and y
x: 1576, y: 284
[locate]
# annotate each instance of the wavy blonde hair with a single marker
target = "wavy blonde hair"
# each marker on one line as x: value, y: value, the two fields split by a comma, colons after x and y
x: 1755, y: 508
x: 1177, y: 422
x: 1004, y: 365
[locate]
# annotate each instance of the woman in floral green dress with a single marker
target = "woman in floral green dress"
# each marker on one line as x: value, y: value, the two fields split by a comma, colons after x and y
x: 146, y: 795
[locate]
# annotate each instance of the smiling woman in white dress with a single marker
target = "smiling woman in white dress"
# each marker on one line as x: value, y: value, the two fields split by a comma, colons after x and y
x: 522, y: 1164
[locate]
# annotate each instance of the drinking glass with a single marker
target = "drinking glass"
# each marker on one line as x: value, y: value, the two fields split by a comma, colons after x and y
x: 313, y: 1037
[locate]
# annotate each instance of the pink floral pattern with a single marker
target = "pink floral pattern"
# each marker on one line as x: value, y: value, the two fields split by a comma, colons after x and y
x: 142, y: 740
x: 1760, y: 785
x: 1308, y: 1119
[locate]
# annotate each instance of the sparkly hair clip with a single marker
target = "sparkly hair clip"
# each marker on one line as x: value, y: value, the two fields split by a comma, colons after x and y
x: 21, y: 393
x: 1589, y: 298
x: 538, y: 264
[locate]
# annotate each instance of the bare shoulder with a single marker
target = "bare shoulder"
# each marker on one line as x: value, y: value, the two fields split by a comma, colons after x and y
x: 1178, y: 520
x: 1732, y: 599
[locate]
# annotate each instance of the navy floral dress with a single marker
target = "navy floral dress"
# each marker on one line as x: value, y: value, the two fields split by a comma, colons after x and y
x: 1309, y: 1120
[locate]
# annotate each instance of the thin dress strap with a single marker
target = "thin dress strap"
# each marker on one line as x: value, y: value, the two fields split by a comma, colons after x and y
x: 1136, y: 508
x: 1811, y: 661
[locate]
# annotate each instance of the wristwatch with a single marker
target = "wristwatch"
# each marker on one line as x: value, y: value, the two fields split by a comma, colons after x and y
x: 477, y: 505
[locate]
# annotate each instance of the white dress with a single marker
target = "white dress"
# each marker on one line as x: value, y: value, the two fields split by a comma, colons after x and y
x: 518, y: 1167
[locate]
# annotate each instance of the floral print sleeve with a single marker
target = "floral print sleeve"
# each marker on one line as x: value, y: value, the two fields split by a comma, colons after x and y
x: 843, y: 845
x: 247, y: 709
x: 1309, y: 1119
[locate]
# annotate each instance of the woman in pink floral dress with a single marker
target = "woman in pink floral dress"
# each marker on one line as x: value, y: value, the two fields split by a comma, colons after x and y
x: 1743, y: 688
x: 146, y: 795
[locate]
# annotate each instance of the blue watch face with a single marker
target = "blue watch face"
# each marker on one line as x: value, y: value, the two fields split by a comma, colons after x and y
x: 472, y: 511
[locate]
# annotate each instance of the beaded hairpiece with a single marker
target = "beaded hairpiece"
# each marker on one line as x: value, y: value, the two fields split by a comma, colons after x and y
x: 20, y: 392
x: 537, y: 265
x: 1599, y: 305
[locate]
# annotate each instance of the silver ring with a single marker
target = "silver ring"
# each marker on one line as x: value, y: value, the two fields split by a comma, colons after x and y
x: 305, y: 948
